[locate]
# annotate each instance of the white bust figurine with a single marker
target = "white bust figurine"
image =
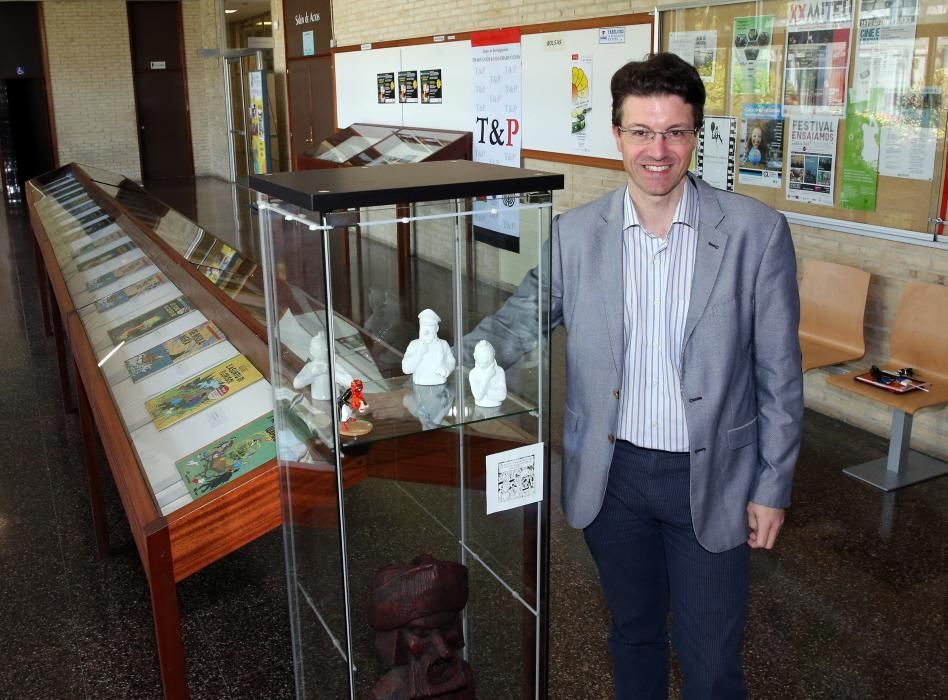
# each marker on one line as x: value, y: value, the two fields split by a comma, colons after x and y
x: 428, y: 359
x: 488, y: 379
x: 315, y: 373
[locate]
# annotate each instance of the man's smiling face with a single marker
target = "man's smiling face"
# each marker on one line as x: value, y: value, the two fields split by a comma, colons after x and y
x: 656, y: 170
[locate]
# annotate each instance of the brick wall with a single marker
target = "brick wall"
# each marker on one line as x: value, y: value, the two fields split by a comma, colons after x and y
x: 356, y: 23
x: 91, y: 79
x: 93, y: 95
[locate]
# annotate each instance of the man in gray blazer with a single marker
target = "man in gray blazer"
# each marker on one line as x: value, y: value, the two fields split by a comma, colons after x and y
x: 684, y: 389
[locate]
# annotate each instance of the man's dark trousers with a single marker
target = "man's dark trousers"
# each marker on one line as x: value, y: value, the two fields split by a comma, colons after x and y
x: 648, y: 558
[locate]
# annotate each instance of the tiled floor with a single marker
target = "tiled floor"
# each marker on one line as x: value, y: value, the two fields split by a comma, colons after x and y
x: 852, y: 604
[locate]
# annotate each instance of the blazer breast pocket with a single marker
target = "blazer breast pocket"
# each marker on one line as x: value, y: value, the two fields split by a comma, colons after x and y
x: 742, y: 435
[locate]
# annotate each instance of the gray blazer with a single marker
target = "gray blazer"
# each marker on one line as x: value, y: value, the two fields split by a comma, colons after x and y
x: 740, y: 378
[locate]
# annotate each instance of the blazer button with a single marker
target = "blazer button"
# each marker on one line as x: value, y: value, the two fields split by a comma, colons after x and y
x: 612, y: 439
x: 615, y: 392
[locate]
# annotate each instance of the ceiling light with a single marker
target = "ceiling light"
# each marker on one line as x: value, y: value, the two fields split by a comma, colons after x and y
x: 229, y: 12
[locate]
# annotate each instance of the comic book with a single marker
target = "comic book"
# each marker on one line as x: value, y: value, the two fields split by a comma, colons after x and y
x: 172, y: 351
x: 105, y: 256
x: 98, y: 243
x: 150, y: 320
x: 87, y: 230
x: 130, y: 292
x: 201, y: 391
x: 248, y: 447
x: 117, y: 274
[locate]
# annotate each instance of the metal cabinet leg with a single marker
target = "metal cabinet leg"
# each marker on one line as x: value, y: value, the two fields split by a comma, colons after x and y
x: 903, y: 467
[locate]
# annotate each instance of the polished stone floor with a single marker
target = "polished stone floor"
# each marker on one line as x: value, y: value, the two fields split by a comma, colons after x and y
x: 853, y: 603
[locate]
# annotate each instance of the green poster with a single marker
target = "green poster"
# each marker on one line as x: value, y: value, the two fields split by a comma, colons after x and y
x: 750, y: 55
x: 860, y: 158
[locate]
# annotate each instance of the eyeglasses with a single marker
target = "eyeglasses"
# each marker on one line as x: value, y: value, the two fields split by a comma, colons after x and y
x: 904, y: 373
x: 673, y: 137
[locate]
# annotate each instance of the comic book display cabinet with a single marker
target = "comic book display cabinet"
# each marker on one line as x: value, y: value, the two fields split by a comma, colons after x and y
x: 162, y: 323
x: 415, y: 484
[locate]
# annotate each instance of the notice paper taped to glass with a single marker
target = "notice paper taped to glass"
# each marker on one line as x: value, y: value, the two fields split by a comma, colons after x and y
x: 514, y: 478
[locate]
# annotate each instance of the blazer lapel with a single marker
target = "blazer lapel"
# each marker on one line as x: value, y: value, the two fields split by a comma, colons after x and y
x: 607, y: 246
x: 709, y: 252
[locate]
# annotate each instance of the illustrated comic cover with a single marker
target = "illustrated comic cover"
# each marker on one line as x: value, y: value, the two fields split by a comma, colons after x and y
x: 171, y: 351
x: 105, y: 256
x: 130, y: 292
x: 231, y: 456
x: 117, y: 274
x: 86, y: 230
x: 98, y: 243
x: 150, y: 320
x: 201, y: 391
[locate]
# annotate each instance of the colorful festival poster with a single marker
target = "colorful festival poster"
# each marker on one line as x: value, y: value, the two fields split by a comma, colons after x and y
x: 751, y: 55
x: 407, y: 86
x: 173, y: 351
x: 717, y: 151
x: 130, y: 292
x: 761, y: 159
x: 118, y: 273
x: 105, y: 256
x: 233, y: 455
x: 201, y: 391
x: 150, y: 320
x: 812, y: 154
x: 386, y: 87
x: 860, y: 158
x: 431, y: 86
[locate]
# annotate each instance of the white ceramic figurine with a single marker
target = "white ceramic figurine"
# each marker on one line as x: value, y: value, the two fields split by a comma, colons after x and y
x: 488, y: 379
x: 428, y: 359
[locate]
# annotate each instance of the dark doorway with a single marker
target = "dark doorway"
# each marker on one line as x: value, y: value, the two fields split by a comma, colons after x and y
x: 26, y: 137
x: 310, y: 98
x: 161, y: 103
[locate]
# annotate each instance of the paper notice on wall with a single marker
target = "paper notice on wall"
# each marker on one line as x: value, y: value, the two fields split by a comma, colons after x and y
x: 716, y: 152
x: 580, y: 99
x: 698, y: 49
x: 860, y: 158
x: 884, y: 56
x: 812, y: 155
x: 750, y: 55
x: 907, y: 151
x: 386, y: 87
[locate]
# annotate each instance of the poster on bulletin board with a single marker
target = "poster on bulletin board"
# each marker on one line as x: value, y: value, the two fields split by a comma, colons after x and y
x: 495, y: 57
x: 259, y: 121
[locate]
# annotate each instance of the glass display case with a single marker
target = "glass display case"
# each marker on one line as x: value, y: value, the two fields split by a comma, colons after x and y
x: 377, y: 144
x: 415, y: 485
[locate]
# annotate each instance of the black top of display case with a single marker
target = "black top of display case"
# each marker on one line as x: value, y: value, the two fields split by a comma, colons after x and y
x: 329, y: 190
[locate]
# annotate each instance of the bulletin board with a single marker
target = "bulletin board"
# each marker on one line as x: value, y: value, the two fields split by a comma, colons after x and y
x: 902, y: 203
x: 548, y: 52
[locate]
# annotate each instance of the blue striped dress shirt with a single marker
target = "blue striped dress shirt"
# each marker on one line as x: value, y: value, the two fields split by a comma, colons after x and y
x: 657, y: 274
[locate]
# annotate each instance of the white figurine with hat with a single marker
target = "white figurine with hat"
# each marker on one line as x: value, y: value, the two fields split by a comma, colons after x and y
x: 315, y: 373
x: 428, y: 359
x: 488, y: 379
